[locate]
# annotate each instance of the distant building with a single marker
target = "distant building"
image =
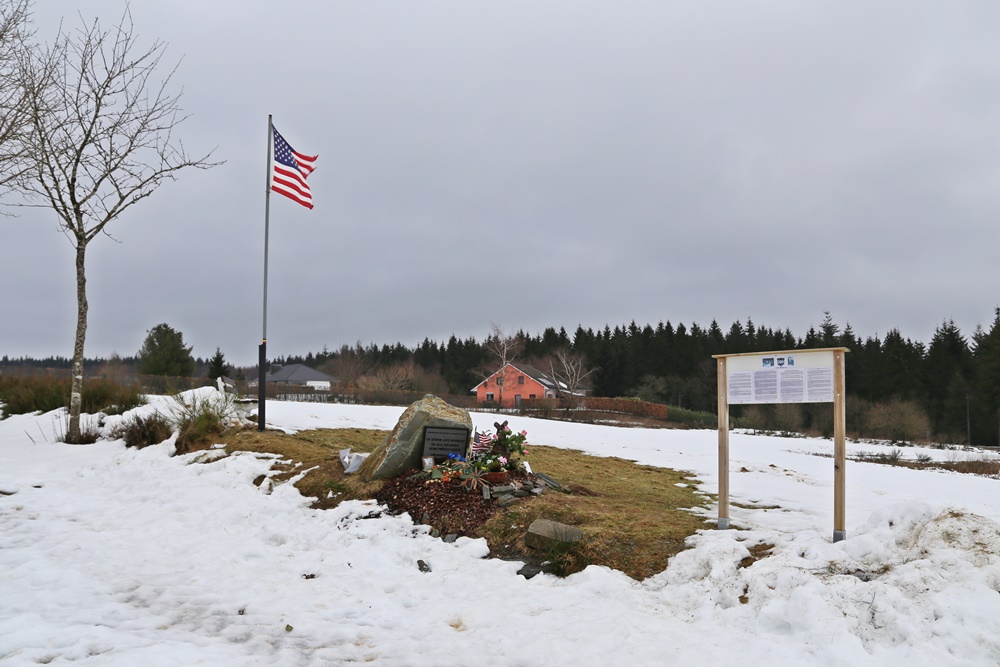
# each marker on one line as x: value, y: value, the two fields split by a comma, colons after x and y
x: 520, y: 382
x: 300, y: 375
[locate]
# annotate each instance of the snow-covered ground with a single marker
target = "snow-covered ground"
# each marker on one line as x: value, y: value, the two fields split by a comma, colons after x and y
x: 113, y: 556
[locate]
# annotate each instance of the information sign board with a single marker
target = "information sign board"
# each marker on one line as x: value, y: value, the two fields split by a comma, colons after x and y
x: 792, y: 376
x: 802, y: 376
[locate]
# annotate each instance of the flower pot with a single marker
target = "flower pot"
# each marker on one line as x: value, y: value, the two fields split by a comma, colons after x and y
x: 498, y: 477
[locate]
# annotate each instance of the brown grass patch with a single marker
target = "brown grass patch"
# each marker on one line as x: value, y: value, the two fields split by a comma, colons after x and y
x: 986, y: 468
x: 757, y: 552
x: 747, y: 506
x: 319, y: 449
x: 633, y: 517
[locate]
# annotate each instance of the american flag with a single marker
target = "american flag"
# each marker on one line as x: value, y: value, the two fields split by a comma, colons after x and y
x: 481, y: 443
x: 288, y: 177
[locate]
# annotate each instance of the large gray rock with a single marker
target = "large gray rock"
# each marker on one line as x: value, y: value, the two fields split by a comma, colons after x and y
x: 545, y: 534
x: 402, y: 449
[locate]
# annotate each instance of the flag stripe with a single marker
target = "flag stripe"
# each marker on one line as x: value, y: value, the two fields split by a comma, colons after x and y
x: 291, y: 178
x: 291, y: 191
x: 481, y: 442
x: 305, y: 162
x: 291, y: 194
x: 294, y: 197
x: 288, y: 175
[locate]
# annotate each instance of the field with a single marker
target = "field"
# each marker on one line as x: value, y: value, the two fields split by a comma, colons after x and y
x: 123, y: 556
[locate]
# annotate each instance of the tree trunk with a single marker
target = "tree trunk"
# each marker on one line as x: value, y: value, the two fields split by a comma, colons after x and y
x: 76, y: 392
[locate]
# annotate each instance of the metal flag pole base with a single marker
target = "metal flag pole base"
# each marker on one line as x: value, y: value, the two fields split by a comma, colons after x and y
x: 723, y: 523
x: 839, y: 535
x: 261, y: 384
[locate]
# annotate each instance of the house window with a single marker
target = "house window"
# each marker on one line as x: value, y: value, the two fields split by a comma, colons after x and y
x: 489, y: 396
x: 499, y: 381
x: 520, y: 379
x: 531, y: 396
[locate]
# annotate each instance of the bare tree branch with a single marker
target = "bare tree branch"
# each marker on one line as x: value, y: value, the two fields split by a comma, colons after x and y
x: 102, y: 125
x: 15, y: 16
x: 505, y: 350
x: 395, y: 377
x: 569, y: 370
x: 100, y: 139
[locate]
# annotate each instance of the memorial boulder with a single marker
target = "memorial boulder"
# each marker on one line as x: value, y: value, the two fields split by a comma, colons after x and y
x: 429, y: 427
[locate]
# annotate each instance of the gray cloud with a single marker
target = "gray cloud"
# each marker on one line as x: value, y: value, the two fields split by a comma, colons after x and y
x: 548, y: 163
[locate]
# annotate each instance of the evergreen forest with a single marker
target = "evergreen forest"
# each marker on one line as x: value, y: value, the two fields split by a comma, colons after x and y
x: 947, y: 390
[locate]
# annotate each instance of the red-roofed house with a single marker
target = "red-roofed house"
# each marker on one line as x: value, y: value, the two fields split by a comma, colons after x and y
x: 516, y: 382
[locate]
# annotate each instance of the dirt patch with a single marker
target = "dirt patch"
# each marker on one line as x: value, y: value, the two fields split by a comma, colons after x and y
x: 445, y: 506
x: 757, y: 552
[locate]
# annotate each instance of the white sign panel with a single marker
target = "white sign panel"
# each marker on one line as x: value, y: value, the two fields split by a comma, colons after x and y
x: 789, y: 377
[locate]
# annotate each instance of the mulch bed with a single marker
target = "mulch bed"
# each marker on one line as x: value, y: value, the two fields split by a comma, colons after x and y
x: 445, y: 506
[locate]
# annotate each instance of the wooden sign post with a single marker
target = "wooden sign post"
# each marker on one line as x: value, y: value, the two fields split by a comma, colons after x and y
x: 792, y: 376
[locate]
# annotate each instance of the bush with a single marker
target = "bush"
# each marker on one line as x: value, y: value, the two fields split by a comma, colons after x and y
x: 199, y: 419
x: 110, y: 397
x: 693, y: 418
x: 142, y: 432
x: 21, y: 395
x: 894, y: 457
x: 788, y: 417
x: 898, y: 421
x: 24, y: 394
x: 755, y: 417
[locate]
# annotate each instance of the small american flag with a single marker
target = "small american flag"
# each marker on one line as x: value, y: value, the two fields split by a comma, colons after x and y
x: 481, y: 443
x: 288, y: 177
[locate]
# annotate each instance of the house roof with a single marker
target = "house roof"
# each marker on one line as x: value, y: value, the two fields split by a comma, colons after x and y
x: 298, y: 374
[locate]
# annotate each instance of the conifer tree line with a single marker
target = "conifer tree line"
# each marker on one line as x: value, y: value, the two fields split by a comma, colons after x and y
x: 947, y: 390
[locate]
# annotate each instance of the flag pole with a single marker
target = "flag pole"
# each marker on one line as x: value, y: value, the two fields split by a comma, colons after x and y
x: 262, y: 351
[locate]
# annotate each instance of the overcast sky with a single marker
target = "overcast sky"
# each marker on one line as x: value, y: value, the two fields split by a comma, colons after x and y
x: 538, y: 163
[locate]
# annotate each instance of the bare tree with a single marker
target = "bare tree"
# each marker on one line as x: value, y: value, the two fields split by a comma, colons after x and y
x: 569, y: 370
x: 348, y: 365
x: 504, y: 349
x: 101, y: 140
x: 14, y: 35
x: 396, y: 377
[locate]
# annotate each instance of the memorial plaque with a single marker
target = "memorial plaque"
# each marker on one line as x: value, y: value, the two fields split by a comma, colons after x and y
x: 800, y: 376
x: 439, y: 442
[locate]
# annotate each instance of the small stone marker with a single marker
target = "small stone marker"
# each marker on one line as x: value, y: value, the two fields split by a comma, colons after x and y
x: 544, y: 534
x: 548, y: 480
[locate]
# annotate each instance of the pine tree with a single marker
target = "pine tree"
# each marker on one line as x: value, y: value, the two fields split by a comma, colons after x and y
x: 217, y: 366
x: 828, y: 331
x: 946, y: 374
x: 163, y: 353
x: 986, y: 422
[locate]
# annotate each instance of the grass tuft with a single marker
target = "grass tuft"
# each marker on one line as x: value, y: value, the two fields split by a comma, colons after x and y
x: 200, y: 420
x: 142, y: 432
